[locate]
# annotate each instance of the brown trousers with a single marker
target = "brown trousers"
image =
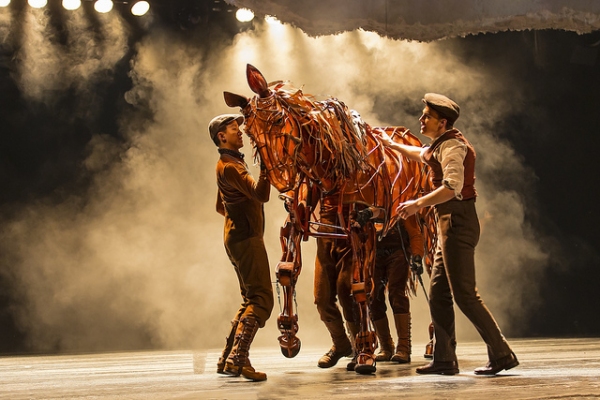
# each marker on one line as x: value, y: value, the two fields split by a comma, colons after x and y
x: 251, y: 264
x: 453, y: 276
x: 391, y: 273
x: 333, y: 273
x: 333, y: 281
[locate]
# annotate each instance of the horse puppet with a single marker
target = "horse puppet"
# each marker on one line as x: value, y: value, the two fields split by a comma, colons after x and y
x: 319, y: 152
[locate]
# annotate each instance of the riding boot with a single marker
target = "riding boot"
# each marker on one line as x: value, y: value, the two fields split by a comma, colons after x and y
x: 386, y: 343
x: 403, y: 349
x: 429, y: 346
x: 238, y: 362
x: 342, y: 347
x: 228, y: 345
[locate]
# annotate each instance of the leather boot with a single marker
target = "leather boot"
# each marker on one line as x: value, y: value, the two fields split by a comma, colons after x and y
x: 403, y: 349
x: 228, y: 345
x: 386, y: 343
x: 342, y: 347
x: 503, y: 363
x: 238, y: 362
x: 440, y: 368
x: 429, y: 346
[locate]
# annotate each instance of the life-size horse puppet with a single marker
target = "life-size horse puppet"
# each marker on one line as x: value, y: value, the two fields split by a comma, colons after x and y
x: 320, y: 151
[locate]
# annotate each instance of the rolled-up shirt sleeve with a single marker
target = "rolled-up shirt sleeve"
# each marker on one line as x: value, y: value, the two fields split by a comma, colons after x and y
x: 451, y: 155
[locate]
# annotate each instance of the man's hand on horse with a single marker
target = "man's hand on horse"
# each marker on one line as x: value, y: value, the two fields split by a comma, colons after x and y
x: 362, y: 217
x: 408, y: 208
x: 416, y: 264
x: 264, y: 171
x: 385, y: 139
x: 288, y: 200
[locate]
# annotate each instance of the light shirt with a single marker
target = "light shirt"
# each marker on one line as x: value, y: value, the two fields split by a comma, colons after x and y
x: 451, y: 155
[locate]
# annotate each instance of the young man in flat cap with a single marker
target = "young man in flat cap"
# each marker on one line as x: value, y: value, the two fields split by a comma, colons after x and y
x: 452, y: 161
x: 240, y: 200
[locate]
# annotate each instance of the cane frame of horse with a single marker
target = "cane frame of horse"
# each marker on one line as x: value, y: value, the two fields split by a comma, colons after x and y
x: 316, y: 151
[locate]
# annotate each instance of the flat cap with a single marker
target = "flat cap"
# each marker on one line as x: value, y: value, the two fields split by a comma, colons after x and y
x: 446, y: 107
x: 220, y: 121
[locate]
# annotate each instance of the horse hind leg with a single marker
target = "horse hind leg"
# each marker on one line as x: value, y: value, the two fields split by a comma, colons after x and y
x: 366, y: 340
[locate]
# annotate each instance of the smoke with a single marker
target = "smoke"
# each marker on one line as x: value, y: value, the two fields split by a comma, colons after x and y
x: 137, y: 259
x: 53, y: 64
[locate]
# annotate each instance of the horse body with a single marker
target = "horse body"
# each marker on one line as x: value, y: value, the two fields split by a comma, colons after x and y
x: 320, y: 151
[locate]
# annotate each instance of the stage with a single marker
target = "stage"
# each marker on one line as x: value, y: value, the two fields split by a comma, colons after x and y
x: 550, y: 369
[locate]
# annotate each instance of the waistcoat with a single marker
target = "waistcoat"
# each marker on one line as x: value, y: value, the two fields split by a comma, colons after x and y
x: 468, y: 191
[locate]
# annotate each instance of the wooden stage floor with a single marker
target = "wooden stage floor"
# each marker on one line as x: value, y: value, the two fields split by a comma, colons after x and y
x: 550, y: 369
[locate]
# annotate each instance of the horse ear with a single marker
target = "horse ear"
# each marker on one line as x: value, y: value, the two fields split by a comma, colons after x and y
x: 257, y: 81
x: 235, y: 100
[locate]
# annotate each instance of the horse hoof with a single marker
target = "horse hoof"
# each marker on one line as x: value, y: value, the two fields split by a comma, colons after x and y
x: 365, y: 364
x: 291, y: 351
x: 365, y: 369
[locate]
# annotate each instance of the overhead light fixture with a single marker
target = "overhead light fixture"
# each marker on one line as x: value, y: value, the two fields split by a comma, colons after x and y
x: 103, y: 6
x: 244, y: 15
x: 71, y: 4
x: 37, y: 3
x: 4, y: 3
x: 140, y: 8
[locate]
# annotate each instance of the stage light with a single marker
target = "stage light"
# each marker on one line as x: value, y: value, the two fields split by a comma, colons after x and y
x: 71, y: 4
x: 244, y: 15
x: 37, y: 3
x: 4, y: 3
x: 103, y: 6
x: 140, y: 8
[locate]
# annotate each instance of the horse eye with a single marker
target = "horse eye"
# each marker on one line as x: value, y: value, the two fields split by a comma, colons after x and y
x: 278, y: 121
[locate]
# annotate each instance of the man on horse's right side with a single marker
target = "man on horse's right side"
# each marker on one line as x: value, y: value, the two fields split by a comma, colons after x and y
x: 451, y: 158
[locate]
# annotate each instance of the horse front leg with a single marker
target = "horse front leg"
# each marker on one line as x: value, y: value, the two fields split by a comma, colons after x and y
x: 287, y: 272
x: 363, y: 259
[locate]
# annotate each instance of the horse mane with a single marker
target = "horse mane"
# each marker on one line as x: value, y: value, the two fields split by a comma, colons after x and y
x: 339, y: 136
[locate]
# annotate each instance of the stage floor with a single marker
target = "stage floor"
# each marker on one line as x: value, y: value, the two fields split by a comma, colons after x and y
x: 550, y: 369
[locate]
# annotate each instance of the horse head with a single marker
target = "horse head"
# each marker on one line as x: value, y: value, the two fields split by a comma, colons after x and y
x: 274, y: 133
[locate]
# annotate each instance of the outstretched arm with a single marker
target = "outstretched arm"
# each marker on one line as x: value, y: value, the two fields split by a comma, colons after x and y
x: 410, y: 152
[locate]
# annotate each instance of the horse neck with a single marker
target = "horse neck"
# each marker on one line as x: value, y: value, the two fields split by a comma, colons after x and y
x: 313, y: 164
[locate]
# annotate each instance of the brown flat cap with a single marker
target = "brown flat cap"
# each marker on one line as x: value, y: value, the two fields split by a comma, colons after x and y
x: 446, y: 107
x: 220, y: 121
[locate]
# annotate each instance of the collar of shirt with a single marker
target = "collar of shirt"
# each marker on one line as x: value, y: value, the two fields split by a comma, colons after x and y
x: 232, y: 153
